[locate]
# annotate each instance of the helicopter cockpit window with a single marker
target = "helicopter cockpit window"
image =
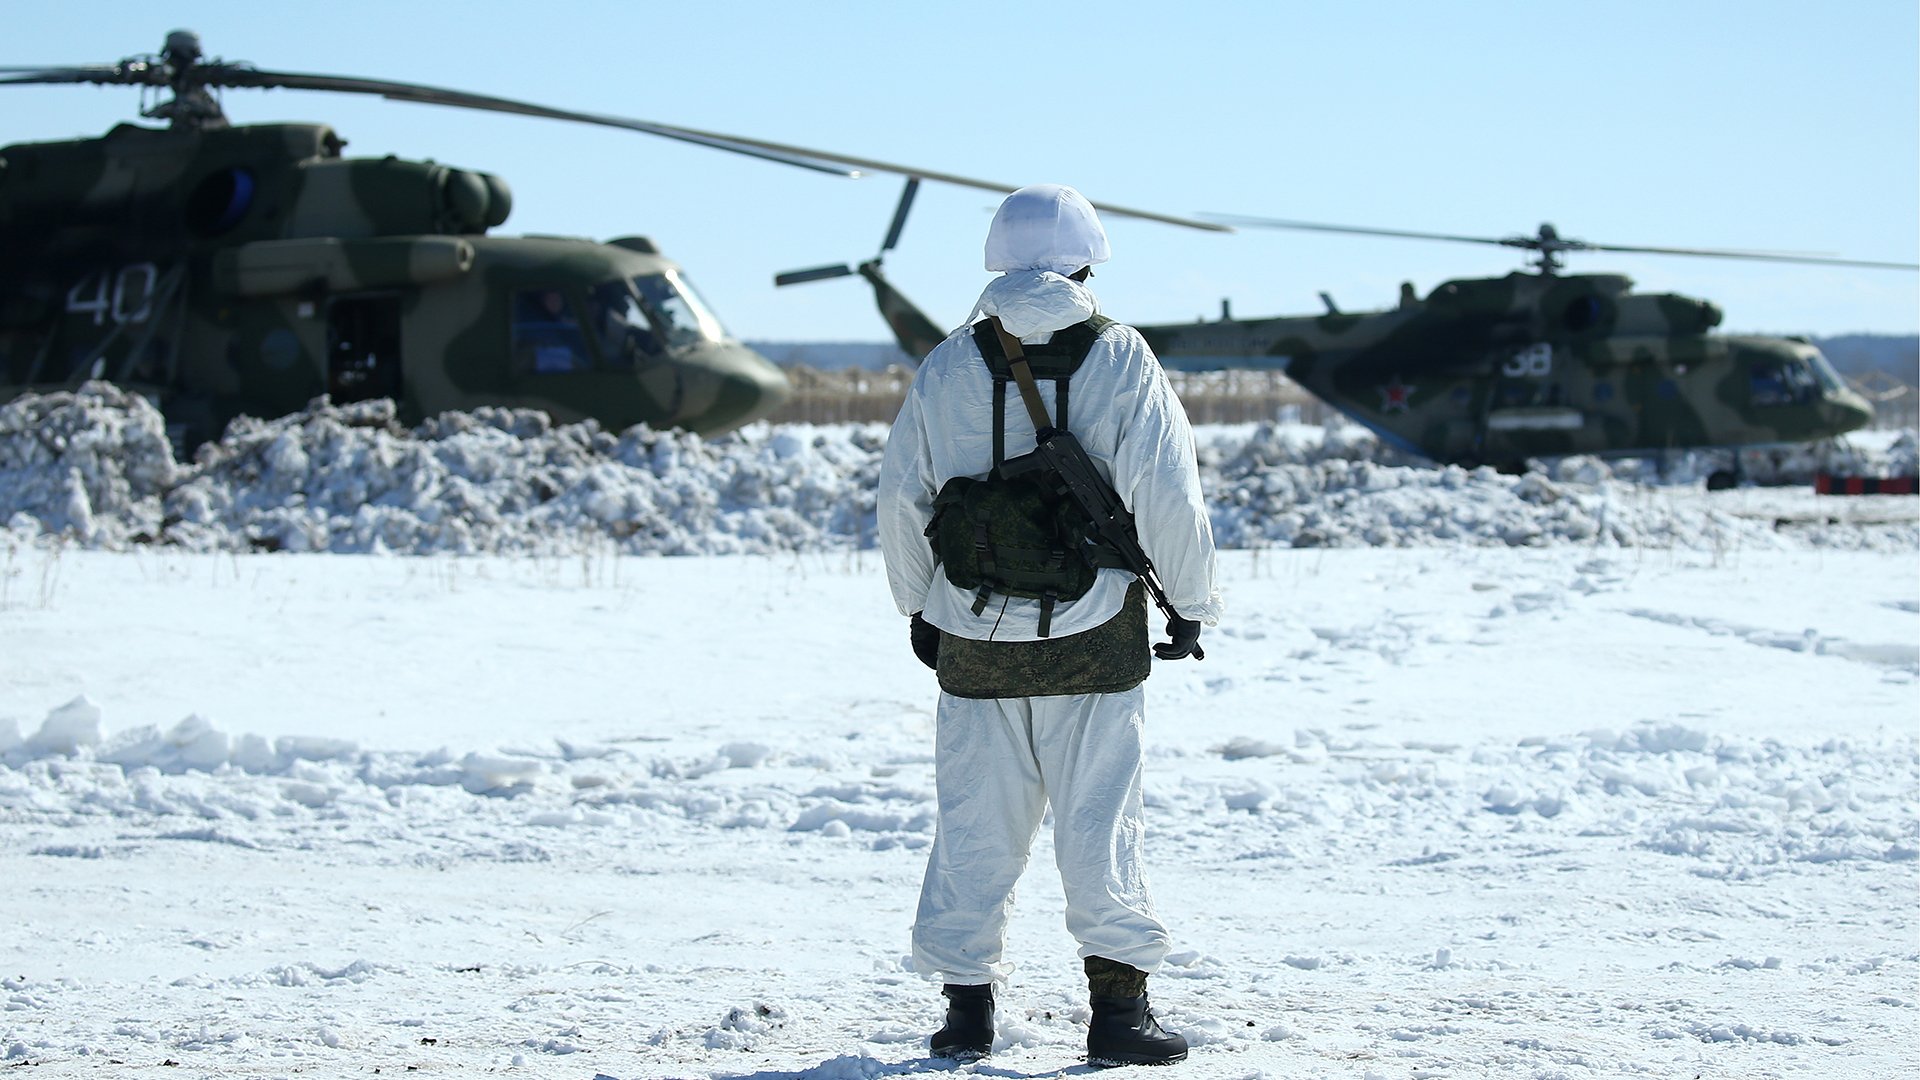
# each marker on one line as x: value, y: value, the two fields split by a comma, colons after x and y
x: 677, y: 311
x: 546, y: 335
x: 621, y: 326
x: 1788, y: 382
x: 1823, y: 371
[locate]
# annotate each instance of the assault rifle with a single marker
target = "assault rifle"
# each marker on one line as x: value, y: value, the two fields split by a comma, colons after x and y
x: 1061, y: 451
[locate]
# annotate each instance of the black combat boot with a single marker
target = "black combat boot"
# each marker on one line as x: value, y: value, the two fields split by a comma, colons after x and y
x: 1122, y: 1030
x: 968, y: 1035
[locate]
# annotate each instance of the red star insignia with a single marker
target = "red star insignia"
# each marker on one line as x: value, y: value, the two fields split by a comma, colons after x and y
x: 1396, y: 396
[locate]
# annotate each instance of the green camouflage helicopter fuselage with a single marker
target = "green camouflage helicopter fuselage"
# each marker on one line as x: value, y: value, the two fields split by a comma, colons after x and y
x: 1496, y: 371
x: 229, y: 270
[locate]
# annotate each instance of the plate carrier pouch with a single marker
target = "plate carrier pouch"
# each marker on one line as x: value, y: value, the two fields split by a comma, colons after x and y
x: 1019, y: 532
x: 1109, y: 659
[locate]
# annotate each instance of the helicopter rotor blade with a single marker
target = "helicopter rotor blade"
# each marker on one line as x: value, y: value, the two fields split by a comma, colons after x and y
x: 1548, y: 241
x: 233, y: 75
x: 230, y: 75
x: 900, y: 214
x: 1763, y: 256
x: 1243, y: 221
x: 223, y: 74
x: 125, y: 73
x: 818, y: 273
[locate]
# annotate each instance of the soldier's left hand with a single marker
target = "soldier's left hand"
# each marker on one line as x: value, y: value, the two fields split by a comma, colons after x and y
x: 926, y: 641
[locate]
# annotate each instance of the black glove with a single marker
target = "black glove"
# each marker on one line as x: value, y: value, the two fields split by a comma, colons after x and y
x: 926, y: 641
x: 1186, y: 640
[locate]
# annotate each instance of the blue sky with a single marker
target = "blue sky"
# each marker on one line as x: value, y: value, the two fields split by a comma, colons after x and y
x: 1754, y: 125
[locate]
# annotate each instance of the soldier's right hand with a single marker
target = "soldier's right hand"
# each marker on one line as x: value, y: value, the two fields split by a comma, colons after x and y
x: 1186, y: 640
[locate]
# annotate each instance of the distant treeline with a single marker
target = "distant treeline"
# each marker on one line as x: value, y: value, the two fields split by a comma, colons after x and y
x: 832, y: 355
x: 1855, y: 355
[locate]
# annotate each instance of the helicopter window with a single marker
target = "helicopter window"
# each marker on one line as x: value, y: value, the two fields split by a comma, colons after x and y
x: 1823, y: 371
x: 546, y: 335
x: 620, y: 326
x: 677, y: 311
x: 218, y: 202
x: 1582, y: 313
x: 1788, y: 383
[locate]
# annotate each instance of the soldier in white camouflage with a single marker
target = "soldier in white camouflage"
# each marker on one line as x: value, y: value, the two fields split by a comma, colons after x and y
x: 1041, y: 701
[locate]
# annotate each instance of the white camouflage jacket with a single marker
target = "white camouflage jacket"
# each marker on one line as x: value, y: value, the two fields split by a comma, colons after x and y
x: 1122, y: 410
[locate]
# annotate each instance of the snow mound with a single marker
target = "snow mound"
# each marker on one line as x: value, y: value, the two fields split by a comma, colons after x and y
x: 1729, y: 805
x: 93, y: 466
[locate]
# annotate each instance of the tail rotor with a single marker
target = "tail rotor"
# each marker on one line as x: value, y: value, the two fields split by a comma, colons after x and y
x: 824, y: 273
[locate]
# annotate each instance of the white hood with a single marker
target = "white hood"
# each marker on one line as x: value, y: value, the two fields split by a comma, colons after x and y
x: 1046, y: 227
x: 1030, y: 302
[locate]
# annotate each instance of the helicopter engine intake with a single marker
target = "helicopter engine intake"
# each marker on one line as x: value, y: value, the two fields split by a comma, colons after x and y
x: 473, y: 202
x: 364, y: 197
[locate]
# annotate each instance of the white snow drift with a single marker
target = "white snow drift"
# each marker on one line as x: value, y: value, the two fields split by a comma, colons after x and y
x: 94, y: 465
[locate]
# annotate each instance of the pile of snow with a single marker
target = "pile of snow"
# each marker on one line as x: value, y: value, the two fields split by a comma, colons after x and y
x: 94, y: 466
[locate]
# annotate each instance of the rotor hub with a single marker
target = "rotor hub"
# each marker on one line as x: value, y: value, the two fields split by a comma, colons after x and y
x: 182, y: 49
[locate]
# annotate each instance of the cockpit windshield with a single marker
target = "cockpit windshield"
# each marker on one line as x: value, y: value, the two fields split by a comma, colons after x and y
x: 1823, y: 370
x: 637, y: 322
x: 621, y: 327
x: 1777, y: 381
x: 678, y: 313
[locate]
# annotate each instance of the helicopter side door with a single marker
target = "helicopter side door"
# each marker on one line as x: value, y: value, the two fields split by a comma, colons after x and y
x: 363, y: 347
x: 1528, y: 409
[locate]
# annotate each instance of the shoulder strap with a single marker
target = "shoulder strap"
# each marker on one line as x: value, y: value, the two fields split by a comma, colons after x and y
x: 1078, y: 339
x: 1023, y: 374
x: 1058, y: 359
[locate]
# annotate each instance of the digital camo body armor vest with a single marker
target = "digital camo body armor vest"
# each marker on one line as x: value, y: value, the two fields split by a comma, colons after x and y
x: 1019, y: 533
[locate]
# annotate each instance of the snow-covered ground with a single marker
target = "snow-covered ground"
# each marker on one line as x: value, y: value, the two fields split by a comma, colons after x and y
x: 1440, y: 812
x: 1579, y: 774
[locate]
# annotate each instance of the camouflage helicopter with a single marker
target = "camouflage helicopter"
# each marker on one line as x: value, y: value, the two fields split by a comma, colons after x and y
x: 225, y: 269
x: 1497, y: 371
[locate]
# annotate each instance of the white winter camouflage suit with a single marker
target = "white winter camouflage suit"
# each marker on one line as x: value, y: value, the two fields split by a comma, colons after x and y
x: 998, y: 762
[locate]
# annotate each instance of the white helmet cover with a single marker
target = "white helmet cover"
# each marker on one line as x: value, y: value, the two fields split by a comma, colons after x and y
x: 1046, y: 227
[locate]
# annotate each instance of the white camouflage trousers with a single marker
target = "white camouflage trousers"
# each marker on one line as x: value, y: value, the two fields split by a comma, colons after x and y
x: 997, y: 765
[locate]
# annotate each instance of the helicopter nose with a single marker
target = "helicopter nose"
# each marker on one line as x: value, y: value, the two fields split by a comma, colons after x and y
x: 735, y: 386
x: 1851, y: 411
